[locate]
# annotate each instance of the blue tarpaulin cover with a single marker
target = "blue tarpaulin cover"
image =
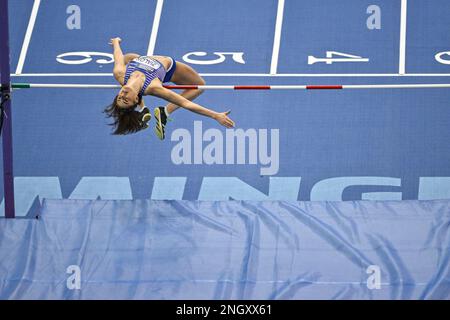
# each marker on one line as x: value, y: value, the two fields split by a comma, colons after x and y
x: 144, y: 249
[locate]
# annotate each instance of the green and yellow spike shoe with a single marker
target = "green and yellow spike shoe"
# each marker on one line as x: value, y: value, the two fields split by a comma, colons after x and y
x: 161, y: 120
x: 146, y: 117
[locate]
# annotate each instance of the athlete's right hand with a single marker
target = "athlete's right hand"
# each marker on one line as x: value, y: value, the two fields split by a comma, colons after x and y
x: 117, y: 39
x: 223, y: 119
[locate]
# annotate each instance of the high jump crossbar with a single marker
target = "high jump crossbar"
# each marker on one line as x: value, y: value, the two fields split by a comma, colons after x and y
x: 238, y: 87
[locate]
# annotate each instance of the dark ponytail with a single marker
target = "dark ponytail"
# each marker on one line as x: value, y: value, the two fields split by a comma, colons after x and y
x: 126, y: 121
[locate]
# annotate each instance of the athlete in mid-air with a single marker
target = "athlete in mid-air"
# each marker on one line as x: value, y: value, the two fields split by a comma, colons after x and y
x: 145, y: 75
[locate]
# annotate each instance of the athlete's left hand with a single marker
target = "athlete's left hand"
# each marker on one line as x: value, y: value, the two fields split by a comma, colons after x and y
x: 223, y: 119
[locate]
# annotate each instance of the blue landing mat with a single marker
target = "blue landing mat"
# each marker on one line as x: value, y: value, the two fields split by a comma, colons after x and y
x: 83, y: 249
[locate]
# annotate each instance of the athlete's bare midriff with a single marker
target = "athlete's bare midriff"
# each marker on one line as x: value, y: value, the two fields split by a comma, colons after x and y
x: 165, y: 61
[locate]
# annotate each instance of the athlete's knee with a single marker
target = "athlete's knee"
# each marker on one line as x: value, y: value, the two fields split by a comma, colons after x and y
x: 201, y: 82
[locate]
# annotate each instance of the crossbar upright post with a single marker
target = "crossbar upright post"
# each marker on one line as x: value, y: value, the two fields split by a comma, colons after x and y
x: 8, y: 177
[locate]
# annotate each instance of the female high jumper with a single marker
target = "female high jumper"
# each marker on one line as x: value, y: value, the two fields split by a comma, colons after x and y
x: 145, y: 75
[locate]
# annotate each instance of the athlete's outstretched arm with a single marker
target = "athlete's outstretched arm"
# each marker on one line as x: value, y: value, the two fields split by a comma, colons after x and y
x: 119, y: 62
x: 175, y: 98
x: 117, y: 53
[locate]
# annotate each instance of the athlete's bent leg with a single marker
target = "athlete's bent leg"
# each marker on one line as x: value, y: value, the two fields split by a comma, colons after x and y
x: 183, y: 75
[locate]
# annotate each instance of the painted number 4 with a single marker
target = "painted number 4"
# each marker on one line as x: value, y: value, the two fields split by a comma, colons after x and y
x: 334, y: 56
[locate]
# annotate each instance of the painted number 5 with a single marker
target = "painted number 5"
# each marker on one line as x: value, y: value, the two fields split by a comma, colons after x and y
x: 236, y: 56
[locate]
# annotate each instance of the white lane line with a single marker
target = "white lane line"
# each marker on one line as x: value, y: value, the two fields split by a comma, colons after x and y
x: 403, y: 19
x: 155, y: 27
x: 293, y: 75
x: 29, y: 32
x: 277, y: 37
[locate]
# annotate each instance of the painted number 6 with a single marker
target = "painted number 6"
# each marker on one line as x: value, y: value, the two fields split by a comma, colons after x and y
x: 87, y: 57
x: 442, y: 60
x: 236, y: 56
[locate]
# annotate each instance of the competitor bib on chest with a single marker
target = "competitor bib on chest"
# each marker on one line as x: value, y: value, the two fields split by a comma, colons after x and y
x: 147, y: 63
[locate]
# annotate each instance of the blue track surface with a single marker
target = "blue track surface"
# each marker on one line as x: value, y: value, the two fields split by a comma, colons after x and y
x: 393, y: 141
x: 323, y: 146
